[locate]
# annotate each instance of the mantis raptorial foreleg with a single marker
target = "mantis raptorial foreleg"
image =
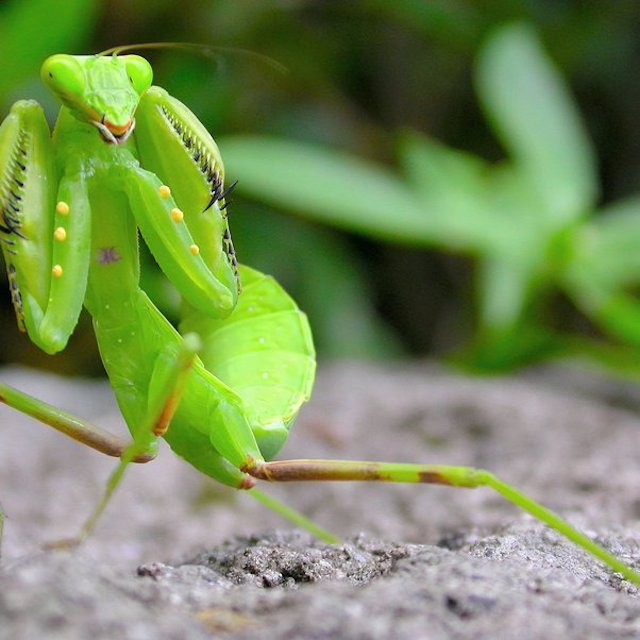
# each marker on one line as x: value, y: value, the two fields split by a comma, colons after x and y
x: 37, y: 237
x: 163, y: 227
x: 173, y: 143
x: 228, y: 411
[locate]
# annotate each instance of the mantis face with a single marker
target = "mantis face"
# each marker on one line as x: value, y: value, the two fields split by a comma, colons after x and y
x: 101, y: 90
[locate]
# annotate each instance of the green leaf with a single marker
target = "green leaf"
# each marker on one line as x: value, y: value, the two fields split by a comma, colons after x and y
x: 605, y: 252
x: 531, y: 110
x: 604, y: 271
x: 452, y: 187
x: 327, y: 185
x: 435, y: 169
x: 509, y: 332
x: 470, y: 205
x: 504, y: 290
x: 31, y: 31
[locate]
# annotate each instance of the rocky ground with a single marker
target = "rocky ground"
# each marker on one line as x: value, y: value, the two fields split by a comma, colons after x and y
x: 177, y: 556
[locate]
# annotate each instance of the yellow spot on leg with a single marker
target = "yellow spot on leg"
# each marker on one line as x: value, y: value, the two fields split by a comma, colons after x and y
x: 60, y: 234
x: 164, y: 191
x: 56, y: 271
x: 177, y: 215
x: 195, y: 249
x: 62, y: 208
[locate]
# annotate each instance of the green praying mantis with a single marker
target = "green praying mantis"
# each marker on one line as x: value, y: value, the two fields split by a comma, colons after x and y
x: 224, y: 389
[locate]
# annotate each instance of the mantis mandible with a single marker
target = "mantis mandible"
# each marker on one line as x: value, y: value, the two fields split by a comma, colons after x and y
x: 223, y: 392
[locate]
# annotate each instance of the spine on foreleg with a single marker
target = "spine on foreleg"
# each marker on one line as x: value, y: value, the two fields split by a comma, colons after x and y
x: 16, y: 297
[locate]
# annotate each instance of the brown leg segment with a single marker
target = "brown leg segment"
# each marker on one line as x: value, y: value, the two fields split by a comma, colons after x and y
x: 72, y: 426
x: 299, y: 470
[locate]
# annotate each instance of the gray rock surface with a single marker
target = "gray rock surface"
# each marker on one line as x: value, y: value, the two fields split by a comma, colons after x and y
x: 176, y: 556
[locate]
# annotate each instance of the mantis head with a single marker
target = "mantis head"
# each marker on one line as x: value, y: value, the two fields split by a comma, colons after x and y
x: 101, y: 90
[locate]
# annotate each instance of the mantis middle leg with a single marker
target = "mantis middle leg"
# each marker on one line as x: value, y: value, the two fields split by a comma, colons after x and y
x: 166, y: 389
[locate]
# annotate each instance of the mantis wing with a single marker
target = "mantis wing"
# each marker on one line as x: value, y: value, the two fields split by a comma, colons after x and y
x: 263, y: 351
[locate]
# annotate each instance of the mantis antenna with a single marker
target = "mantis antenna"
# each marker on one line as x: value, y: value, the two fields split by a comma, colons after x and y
x: 205, y: 50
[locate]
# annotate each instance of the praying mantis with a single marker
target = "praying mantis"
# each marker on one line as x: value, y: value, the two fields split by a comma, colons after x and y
x: 224, y: 389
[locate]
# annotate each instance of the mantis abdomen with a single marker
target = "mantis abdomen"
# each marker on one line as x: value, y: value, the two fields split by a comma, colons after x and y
x: 264, y: 351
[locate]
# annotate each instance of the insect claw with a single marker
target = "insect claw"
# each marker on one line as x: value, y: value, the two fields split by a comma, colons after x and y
x: 216, y: 196
x: 228, y: 190
x: 213, y: 200
x: 11, y: 225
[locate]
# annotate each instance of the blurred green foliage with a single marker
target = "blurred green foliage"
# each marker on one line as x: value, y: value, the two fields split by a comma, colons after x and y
x: 525, y: 221
x: 524, y: 267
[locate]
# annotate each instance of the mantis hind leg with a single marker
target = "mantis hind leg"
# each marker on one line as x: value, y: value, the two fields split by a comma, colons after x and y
x: 300, y: 470
x: 168, y: 383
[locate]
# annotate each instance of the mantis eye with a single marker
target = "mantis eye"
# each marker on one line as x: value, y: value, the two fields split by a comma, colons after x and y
x: 63, y: 74
x: 139, y: 72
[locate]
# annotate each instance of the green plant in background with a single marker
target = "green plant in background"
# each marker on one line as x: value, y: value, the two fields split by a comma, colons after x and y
x: 364, y: 71
x: 529, y: 222
x: 345, y: 318
x: 47, y: 26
